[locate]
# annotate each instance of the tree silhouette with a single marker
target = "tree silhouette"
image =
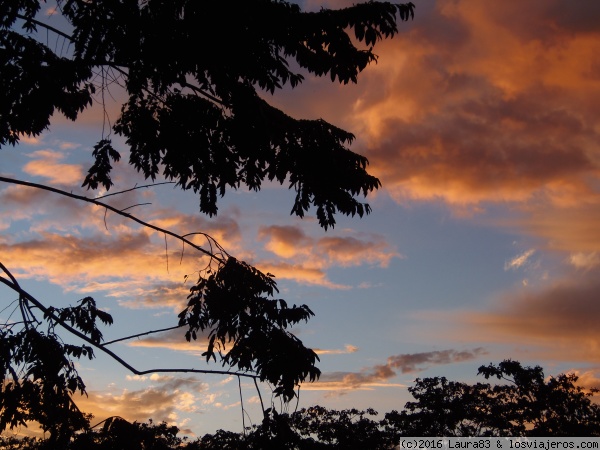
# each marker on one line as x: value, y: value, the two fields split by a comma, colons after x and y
x: 195, y: 76
x: 191, y: 72
x: 527, y: 404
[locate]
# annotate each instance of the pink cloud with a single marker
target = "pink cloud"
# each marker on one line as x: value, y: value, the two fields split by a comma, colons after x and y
x: 378, y: 375
x: 556, y: 322
x: 46, y: 164
x: 291, y: 242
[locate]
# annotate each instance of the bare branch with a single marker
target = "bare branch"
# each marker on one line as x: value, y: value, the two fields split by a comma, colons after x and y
x: 242, y: 406
x: 124, y: 214
x: 46, y: 26
x: 262, y: 405
x: 137, y: 204
x: 134, y: 188
x: 142, y: 334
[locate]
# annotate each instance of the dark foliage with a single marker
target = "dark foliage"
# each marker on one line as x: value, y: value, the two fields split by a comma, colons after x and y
x: 191, y: 71
x: 38, y: 374
x: 248, y: 329
x: 526, y: 404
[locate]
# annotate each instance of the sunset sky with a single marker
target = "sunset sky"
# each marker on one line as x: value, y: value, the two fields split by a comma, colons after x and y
x: 481, y: 120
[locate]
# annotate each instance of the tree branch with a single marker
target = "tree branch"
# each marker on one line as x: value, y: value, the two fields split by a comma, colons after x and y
x: 126, y: 215
x: 142, y: 334
x: 100, y: 347
x: 115, y: 65
x: 134, y: 188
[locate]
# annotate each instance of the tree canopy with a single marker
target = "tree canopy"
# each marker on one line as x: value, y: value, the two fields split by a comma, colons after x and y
x: 191, y: 71
x: 195, y: 78
x: 524, y: 404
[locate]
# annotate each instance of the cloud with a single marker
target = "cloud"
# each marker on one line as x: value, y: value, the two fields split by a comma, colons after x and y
x: 555, y: 322
x: 285, y: 241
x: 408, y: 363
x: 167, y: 398
x: 347, y: 349
x: 46, y: 164
x: 571, y: 229
x: 86, y: 249
x: 166, y: 294
x: 379, y: 374
x: 291, y: 242
x: 350, y: 251
x: 585, y: 261
x: 128, y: 266
x: 66, y: 145
x: 171, y: 382
x: 476, y: 103
x: 30, y: 140
x: 312, y: 256
x: 519, y: 260
x: 299, y: 273
x: 588, y: 378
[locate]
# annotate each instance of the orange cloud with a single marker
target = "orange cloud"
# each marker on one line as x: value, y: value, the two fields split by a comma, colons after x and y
x: 80, y: 247
x: 478, y: 102
x: 291, y: 242
x: 46, y: 165
x: 347, y: 349
x: 585, y: 261
x: 167, y: 398
x: 555, y: 322
x: 570, y: 229
x: 349, y: 251
x: 285, y: 241
x: 519, y: 260
x: 588, y: 379
x: 299, y: 273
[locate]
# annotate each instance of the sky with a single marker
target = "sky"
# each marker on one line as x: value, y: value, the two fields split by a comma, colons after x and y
x: 481, y: 121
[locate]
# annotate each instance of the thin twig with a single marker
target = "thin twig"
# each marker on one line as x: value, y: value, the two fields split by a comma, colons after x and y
x: 141, y: 334
x: 262, y: 405
x: 167, y: 253
x: 242, y: 406
x: 133, y: 206
x: 134, y: 188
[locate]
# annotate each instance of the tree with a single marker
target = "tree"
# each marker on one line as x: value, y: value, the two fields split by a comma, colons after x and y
x: 198, y: 118
x: 527, y: 404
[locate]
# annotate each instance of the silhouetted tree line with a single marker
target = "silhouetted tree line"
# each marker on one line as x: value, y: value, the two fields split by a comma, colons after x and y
x: 523, y: 403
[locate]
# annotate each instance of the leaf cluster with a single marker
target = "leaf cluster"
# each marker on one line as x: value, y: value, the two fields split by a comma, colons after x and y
x: 35, y: 80
x: 38, y: 374
x: 83, y: 316
x: 247, y: 328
